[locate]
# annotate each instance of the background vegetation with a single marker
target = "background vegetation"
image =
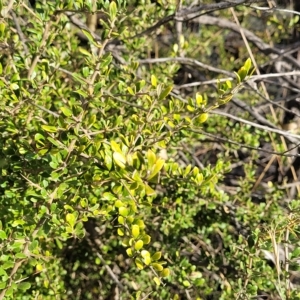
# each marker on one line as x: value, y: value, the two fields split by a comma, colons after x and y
x: 149, y: 150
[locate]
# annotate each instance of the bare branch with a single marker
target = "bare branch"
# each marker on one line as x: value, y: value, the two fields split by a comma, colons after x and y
x: 188, y: 13
x: 226, y: 140
x: 292, y: 137
x: 187, y: 61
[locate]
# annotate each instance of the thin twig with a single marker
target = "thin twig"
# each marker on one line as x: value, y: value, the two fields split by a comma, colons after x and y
x: 184, y: 60
x: 253, y: 78
x: 36, y: 57
x: 266, y: 128
x: 273, y: 52
x: 5, y: 11
x: 178, y: 26
x: 226, y: 140
x: 110, y: 272
x: 273, y: 9
x: 188, y: 13
x: 20, y: 33
x: 287, y: 258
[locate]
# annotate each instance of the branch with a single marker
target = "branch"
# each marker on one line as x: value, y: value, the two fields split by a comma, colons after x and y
x: 251, y: 79
x: 225, y: 140
x: 258, y: 42
x: 196, y: 11
x: 273, y: 9
x: 187, y: 61
x: 292, y: 137
x: 189, y: 13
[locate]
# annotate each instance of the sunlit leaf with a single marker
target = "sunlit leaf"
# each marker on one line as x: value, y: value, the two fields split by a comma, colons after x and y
x: 139, y: 263
x: 135, y: 231
x: 157, y: 281
x: 119, y: 159
x: 138, y: 245
x: 164, y: 93
x: 49, y: 128
x: 156, y: 168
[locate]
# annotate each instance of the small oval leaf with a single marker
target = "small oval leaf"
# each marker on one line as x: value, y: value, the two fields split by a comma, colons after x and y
x: 138, y: 245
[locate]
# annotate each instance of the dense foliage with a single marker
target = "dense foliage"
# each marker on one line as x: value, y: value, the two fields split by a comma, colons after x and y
x: 120, y: 179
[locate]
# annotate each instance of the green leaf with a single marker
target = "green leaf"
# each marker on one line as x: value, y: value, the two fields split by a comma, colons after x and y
x: 120, y: 232
x: 85, y: 52
x: 146, y: 239
x: 49, y: 128
x: 108, y: 160
x: 199, y: 178
x: 2, y: 29
x: 138, y: 245
x: 190, y: 108
x: 3, y: 273
x: 135, y: 231
x: 130, y: 90
x: 24, y: 286
x: 228, y: 83
x: 202, y: 118
x: 157, y: 281
x: 33, y: 245
x: 66, y: 111
x: 145, y: 253
x: 157, y: 267
x: 119, y: 159
x: 21, y: 255
x: 165, y: 272
x: 123, y: 211
x: 112, y: 10
x: 164, y: 93
x: 3, y: 235
x: 109, y: 196
x: 8, y: 265
x: 157, y: 167
x: 186, y: 283
x: 156, y: 256
x: 106, y: 60
x: 138, y: 295
x: 88, y: 35
x: 38, y: 138
x: 151, y: 157
x: 247, y: 65
x: 195, y: 171
x: 115, y: 147
x: 136, y: 176
x: 129, y: 252
x: 54, y: 142
x: 242, y: 73
x: 139, y: 263
x: 119, y: 203
x: 149, y: 190
x: 139, y: 85
x: 71, y: 219
x: 147, y: 260
x: 14, y: 86
x: 17, y: 223
x: 121, y: 220
x: 146, y: 257
x: 9, y: 291
x: 130, y: 219
x: 187, y: 170
x: 2, y: 285
x: 238, y: 78
x: 153, y: 81
x: 92, y: 120
x: 140, y: 223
